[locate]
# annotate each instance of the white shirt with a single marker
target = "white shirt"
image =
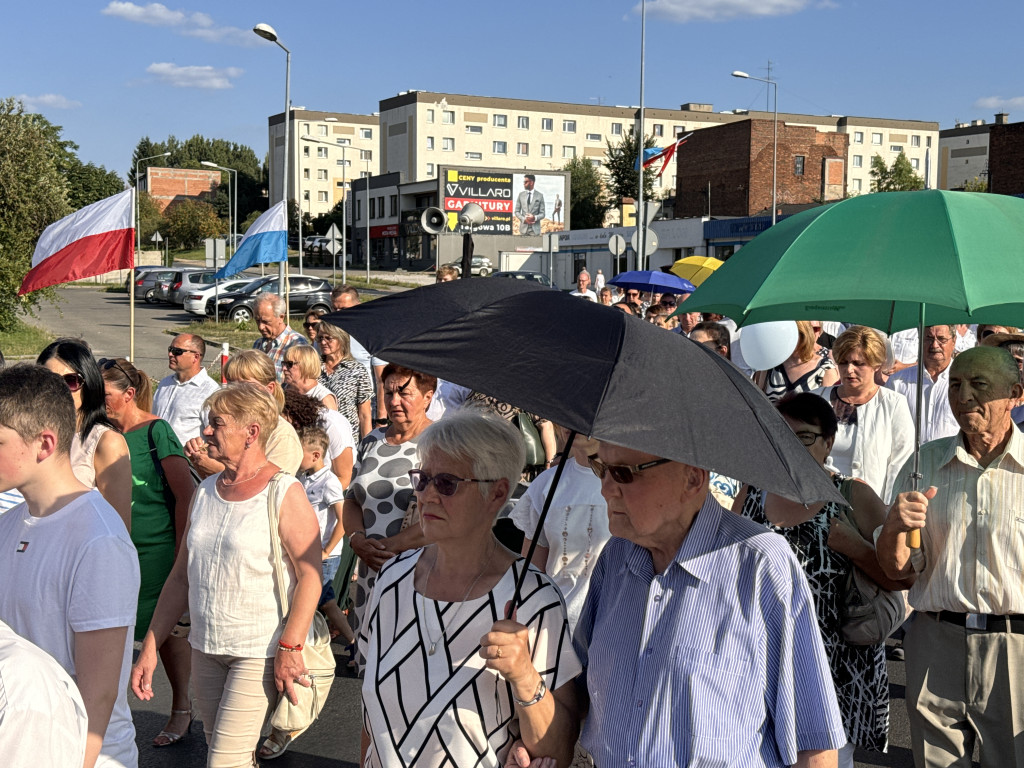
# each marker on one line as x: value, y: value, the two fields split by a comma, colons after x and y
x: 180, y: 403
x: 339, y: 432
x: 587, y: 294
x: 938, y: 418
x: 447, y: 397
x: 72, y: 571
x: 324, y: 489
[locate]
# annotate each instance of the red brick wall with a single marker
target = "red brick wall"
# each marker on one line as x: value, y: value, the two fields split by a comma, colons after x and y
x: 1006, y: 159
x: 170, y: 185
x: 719, y: 156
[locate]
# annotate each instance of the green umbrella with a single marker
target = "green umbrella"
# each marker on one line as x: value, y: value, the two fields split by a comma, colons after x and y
x: 877, y: 260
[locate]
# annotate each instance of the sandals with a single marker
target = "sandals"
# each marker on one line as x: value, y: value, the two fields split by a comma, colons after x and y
x: 174, y: 738
x: 276, y: 743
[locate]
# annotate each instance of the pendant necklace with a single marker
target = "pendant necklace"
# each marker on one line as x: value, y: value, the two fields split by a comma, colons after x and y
x: 423, y: 603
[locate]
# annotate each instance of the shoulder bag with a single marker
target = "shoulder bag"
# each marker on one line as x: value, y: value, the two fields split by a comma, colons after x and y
x: 869, y: 614
x: 316, y: 651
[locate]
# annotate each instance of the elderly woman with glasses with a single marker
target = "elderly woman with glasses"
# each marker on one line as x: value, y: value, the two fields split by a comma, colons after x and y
x: 435, y: 637
x: 346, y: 378
x: 827, y: 544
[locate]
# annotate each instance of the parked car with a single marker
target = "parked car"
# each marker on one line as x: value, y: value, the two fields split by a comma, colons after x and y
x: 480, y: 265
x: 140, y: 271
x: 305, y: 293
x: 147, y: 285
x: 189, y: 281
x: 195, y: 301
x: 525, y: 274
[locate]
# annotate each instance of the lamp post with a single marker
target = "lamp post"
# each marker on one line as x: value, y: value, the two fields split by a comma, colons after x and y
x: 369, y: 175
x: 267, y: 32
x: 344, y: 206
x: 232, y: 226
x: 641, y: 218
x: 775, y: 138
x: 138, y: 250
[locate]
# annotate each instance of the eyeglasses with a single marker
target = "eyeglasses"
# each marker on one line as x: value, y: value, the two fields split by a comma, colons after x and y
x: 632, y: 293
x: 324, y: 339
x: 288, y: 364
x: 808, y: 438
x: 445, y: 483
x: 106, y: 365
x: 178, y: 351
x: 623, y: 474
x: 73, y: 380
x: 940, y: 340
x: 307, y: 326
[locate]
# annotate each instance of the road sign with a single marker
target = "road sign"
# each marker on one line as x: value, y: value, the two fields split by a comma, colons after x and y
x: 617, y: 245
x: 650, y: 242
x: 156, y: 238
x: 651, y: 209
x: 334, y: 233
x: 333, y: 240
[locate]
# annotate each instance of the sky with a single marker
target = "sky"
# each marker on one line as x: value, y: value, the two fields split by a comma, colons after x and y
x: 113, y: 71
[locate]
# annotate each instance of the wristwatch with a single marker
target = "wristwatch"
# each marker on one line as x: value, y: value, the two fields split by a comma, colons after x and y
x: 542, y: 689
x: 380, y: 422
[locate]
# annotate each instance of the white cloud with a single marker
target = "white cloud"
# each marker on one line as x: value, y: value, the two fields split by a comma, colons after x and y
x: 47, y: 101
x: 998, y: 102
x: 194, y: 77
x: 721, y: 10
x: 189, y: 23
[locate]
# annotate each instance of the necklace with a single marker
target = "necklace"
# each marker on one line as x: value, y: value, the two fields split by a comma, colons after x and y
x: 226, y: 484
x: 590, y: 540
x: 454, y: 621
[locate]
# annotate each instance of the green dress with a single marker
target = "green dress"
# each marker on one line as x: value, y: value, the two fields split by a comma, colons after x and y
x: 152, y: 514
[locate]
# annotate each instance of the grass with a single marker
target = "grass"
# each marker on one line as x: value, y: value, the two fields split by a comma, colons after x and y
x: 24, y: 340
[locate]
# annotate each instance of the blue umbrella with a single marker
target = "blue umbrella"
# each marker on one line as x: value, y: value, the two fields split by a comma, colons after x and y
x: 649, y: 280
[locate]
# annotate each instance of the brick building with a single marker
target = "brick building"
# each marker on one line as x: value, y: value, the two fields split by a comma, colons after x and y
x: 170, y: 185
x: 733, y: 162
x: 1006, y: 158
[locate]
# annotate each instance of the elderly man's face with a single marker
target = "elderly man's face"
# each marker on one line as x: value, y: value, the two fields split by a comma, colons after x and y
x: 688, y: 320
x: 939, y: 344
x: 269, y: 324
x: 583, y: 282
x: 981, y: 393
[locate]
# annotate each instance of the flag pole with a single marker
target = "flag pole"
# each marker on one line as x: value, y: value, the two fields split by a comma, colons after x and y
x: 131, y: 281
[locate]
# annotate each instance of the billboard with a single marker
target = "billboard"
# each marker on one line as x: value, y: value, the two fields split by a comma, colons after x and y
x: 514, y: 202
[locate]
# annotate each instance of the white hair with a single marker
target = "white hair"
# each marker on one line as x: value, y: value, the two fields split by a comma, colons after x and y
x: 276, y: 303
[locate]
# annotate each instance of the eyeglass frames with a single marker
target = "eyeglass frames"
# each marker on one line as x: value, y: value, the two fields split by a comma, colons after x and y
x: 623, y: 474
x: 445, y: 483
x: 808, y: 438
x: 73, y: 380
x: 106, y: 364
x: 178, y: 351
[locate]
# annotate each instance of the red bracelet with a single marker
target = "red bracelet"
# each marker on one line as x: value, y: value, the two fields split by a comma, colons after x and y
x: 286, y: 647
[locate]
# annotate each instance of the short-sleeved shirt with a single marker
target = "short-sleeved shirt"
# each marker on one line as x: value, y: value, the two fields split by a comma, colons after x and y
x: 275, y: 348
x: 323, y: 489
x: 180, y: 403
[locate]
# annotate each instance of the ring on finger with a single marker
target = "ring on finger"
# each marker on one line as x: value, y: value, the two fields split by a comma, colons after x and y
x: 497, y: 653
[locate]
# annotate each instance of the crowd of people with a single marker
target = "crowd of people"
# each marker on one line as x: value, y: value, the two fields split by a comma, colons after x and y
x: 668, y: 615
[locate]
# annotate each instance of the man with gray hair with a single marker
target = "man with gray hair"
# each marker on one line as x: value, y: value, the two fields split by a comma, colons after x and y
x: 180, y: 396
x: 276, y: 337
x: 583, y: 287
x: 937, y: 420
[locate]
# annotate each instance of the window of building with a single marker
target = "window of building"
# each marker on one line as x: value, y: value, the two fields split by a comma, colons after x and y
x: 430, y: 115
x: 858, y: 161
x: 321, y: 174
x: 595, y: 162
x: 915, y: 141
x: 569, y: 152
x: 569, y: 126
x: 522, y: 148
x: 366, y: 154
x: 393, y: 200
x: 798, y: 165
x: 305, y: 151
x: 305, y: 194
x: 430, y: 143
x: 380, y: 206
x: 547, y: 124
x: 914, y: 163
x: 305, y: 128
x: 343, y: 142
x: 856, y: 185
x: 876, y: 139
x: 616, y: 129
x: 321, y: 197
x: 499, y: 147
x: 659, y: 130
x: 546, y: 150
x: 448, y: 117
x: 430, y: 169
x: 858, y: 137
x: 359, y: 209
x: 364, y: 174
x: 474, y: 156
x: 321, y: 130
x: 678, y: 130
x: 447, y: 145
x: 305, y: 173
x: 523, y: 122
x: 366, y: 133
x: 501, y: 121
x: 343, y: 163
x: 474, y: 129
x: 373, y: 207
x: 321, y: 152
x: 895, y: 148
x: 927, y: 141
x: 593, y: 137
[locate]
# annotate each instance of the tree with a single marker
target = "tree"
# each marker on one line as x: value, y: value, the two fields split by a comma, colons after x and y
x: 588, y: 200
x: 899, y: 178
x: 89, y: 183
x: 976, y: 185
x: 191, y: 221
x: 621, y: 163
x: 150, y: 218
x: 33, y: 194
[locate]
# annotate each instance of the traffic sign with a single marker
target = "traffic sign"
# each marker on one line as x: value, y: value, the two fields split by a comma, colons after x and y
x: 650, y: 242
x: 617, y: 245
x: 333, y: 239
x: 156, y: 238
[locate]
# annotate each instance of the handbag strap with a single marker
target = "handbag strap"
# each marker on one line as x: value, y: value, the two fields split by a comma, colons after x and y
x: 273, y: 507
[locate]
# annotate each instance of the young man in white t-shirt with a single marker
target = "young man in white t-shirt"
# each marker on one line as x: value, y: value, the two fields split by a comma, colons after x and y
x: 69, y: 571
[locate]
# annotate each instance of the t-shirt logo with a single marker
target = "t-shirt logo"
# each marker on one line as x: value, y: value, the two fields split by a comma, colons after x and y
x: 22, y: 546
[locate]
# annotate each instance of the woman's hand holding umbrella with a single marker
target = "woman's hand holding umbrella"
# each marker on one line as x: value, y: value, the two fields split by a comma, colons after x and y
x: 506, y: 650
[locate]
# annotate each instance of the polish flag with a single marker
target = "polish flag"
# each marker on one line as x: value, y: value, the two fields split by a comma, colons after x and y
x: 92, y: 241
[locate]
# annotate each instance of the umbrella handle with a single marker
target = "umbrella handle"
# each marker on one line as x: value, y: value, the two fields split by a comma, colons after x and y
x: 914, y: 539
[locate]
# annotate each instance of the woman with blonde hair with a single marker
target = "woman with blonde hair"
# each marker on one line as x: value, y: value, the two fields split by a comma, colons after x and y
x: 283, y: 445
x: 346, y: 378
x: 302, y: 372
x: 808, y: 368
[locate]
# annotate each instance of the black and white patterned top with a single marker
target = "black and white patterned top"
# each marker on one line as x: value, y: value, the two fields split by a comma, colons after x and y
x: 448, y: 710
x: 351, y: 384
x: 858, y: 671
x: 778, y: 384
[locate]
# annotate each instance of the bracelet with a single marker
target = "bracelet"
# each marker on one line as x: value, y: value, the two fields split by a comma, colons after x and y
x: 356, y: 533
x: 380, y: 421
x: 542, y: 689
x: 285, y: 647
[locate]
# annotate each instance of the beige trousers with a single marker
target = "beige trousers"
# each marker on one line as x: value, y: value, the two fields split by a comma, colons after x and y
x: 964, y: 687
x: 234, y: 696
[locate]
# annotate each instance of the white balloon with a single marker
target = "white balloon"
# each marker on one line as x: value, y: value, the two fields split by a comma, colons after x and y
x: 766, y: 345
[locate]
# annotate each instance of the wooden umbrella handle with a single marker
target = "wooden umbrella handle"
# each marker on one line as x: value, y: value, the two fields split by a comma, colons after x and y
x: 914, y: 538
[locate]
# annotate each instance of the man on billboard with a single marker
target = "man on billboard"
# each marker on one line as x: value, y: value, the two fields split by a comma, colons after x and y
x: 529, y: 207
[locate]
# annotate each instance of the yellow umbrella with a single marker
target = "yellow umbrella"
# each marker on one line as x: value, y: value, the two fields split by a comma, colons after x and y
x: 696, y: 269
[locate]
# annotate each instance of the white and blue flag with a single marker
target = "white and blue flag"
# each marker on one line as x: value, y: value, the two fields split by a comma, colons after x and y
x: 265, y: 242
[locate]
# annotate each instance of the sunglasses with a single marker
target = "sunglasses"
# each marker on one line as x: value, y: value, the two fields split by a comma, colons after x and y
x: 623, y: 474
x: 73, y: 380
x: 322, y: 339
x: 106, y: 365
x: 307, y: 326
x: 178, y: 351
x: 288, y: 364
x: 808, y: 438
x: 446, y: 484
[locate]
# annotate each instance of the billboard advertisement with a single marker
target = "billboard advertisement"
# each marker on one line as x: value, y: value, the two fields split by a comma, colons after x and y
x: 514, y: 202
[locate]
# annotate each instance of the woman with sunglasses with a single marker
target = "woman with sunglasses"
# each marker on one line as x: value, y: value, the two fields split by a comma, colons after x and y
x: 826, y: 544
x: 161, y: 488
x: 346, y: 378
x: 436, y: 640
x: 99, y: 454
x: 301, y: 368
x: 311, y: 323
x: 379, y: 497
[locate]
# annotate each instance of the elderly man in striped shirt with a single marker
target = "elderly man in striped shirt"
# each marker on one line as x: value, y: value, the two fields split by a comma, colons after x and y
x: 965, y: 644
x: 698, y: 638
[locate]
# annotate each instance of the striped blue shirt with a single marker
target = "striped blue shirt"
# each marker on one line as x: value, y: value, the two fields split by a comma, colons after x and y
x: 716, y: 661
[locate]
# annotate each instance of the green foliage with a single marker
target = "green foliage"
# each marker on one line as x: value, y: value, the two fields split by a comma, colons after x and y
x: 588, y: 199
x: 620, y: 160
x: 151, y: 220
x: 33, y: 194
x: 322, y: 222
x: 249, y: 221
x: 976, y: 185
x: 190, y: 222
x: 899, y: 178
x: 90, y: 183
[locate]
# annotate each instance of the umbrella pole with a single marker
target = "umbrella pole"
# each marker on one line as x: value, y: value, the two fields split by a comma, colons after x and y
x: 914, y: 537
x: 566, y: 451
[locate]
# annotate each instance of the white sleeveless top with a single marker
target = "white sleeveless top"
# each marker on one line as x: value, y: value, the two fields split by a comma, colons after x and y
x: 83, y: 454
x: 319, y: 392
x: 232, y: 595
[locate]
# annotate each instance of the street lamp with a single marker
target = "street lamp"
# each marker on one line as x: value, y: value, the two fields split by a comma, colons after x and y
x: 138, y: 250
x: 267, y: 32
x: 369, y: 175
x: 344, y: 205
x: 641, y: 218
x: 775, y: 139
